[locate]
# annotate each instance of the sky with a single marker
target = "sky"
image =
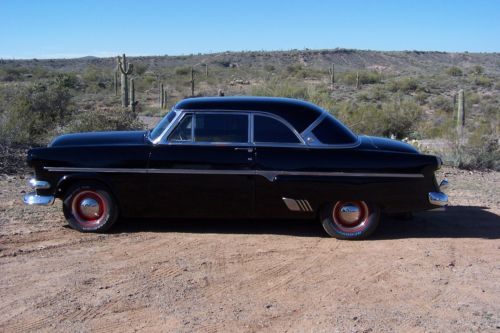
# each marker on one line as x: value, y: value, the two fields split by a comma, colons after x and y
x: 72, y: 28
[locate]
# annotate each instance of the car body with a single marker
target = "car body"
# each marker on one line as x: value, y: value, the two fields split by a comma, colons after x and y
x: 236, y: 157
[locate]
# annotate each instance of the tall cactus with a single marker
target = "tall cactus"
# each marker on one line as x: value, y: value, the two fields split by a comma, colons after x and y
x: 125, y: 70
x: 460, y: 114
x: 133, y: 102
x: 206, y: 70
x: 192, y: 82
x: 162, y: 96
x: 358, y: 85
x: 331, y: 70
x: 116, y: 82
x: 165, y: 98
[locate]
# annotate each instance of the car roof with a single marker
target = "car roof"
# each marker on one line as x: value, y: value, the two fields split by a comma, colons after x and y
x: 300, y: 114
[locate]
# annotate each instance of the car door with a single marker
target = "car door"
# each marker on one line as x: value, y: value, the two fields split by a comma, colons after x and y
x: 204, y: 168
x: 279, y: 149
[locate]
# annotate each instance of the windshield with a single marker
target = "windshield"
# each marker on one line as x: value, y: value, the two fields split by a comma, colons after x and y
x: 162, y: 125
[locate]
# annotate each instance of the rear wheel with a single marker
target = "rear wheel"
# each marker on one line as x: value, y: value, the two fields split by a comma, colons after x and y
x: 350, y: 219
x: 90, y: 208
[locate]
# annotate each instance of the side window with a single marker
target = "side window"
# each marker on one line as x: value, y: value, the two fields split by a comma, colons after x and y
x: 221, y: 127
x: 183, y: 131
x: 267, y: 129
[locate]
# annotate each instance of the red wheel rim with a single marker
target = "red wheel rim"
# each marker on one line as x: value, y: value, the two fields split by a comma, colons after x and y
x: 89, y: 208
x: 350, y: 216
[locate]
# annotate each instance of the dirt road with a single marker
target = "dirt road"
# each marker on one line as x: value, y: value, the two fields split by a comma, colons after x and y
x: 438, y: 272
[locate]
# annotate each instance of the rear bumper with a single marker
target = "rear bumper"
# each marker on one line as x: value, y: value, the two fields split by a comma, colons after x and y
x: 438, y: 198
x: 35, y: 199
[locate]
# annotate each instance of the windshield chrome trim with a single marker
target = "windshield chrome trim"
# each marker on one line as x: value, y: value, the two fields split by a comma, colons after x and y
x: 270, y: 175
x: 158, y: 139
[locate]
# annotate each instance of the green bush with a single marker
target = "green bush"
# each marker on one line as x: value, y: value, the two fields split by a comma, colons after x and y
x: 477, y: 70
x: 365, y: 77
x: 182, y: 70
x: 35, y: 112
x: 482, y: 81
x: 405, y: 85
x: 442, y: 103
x: 398, y: 118
x: 115, y: 120
x: 454, y: 71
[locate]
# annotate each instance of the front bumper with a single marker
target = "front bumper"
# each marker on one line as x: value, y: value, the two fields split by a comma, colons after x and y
x: 33, y: 198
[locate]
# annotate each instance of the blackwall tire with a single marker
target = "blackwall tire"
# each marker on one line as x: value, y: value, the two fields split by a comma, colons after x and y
x: 350, y: 219
x: 90, y: 208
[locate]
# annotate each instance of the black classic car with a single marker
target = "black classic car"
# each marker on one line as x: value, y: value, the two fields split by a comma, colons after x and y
x: 236, y: 157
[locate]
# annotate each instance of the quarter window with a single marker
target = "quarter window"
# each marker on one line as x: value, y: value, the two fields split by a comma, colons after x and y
x: 267, y: 129
x: 221, y: 128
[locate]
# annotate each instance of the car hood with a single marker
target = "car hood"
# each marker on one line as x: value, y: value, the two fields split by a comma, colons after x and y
x: 100, y: 139
x: 373, y: 142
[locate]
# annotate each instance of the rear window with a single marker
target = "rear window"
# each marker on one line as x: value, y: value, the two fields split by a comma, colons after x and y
x: 267, y: 129
x: 333, y: 132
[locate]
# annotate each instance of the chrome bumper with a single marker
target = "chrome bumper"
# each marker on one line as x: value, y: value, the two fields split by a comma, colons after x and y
x: 35, y: 199
x: 439, y: 198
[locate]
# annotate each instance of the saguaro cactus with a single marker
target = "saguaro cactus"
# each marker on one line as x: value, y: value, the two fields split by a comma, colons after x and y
x: 133, y: 102
x: 460, y: 113
x: 206, y: 70
x: 331, y: 70
x: 162, y: 96
x: 192, y: 82
x: 358, y: 85
x: 116, y: 82
x: 165, y: 98
x: 125, y: 70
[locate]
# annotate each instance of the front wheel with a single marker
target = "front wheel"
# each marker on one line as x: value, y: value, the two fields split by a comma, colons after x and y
x: 350, y: 219
x: 90, y: 208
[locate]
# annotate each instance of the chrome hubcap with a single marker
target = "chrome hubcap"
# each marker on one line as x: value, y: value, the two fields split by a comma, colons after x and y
x: 90, y: 208
x: 350, y: 213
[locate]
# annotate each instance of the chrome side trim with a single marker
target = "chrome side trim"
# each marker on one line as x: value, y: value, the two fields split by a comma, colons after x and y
x: 270, y: 175
x: 291, y: 204
x: 299, y: 205
x: 438, y: 198
x: 39, y: 184
x: 35, y: 199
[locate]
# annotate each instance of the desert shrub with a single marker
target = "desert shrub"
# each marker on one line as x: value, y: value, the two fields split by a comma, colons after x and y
x: 479, y: 151
x: 365, y: 77
x: 398, y: 118
x: 442, y: 103
x: 477, y: 70
x: 405, y: 85
x: 140, y: 69
x: 115, y: 120
x: 378, y: 94
x: 182, y: 70
x: 482, y: 81
x: 269, y: 68
x: 454, y: 71
x: 421, y: 97
x: 35, y: 112
x: 282, y: 89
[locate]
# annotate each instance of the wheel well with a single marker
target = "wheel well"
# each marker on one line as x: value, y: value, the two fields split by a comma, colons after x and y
x: 67, y: 182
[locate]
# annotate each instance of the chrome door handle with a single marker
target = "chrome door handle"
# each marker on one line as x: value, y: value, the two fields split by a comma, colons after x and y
x: 250, y: 150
